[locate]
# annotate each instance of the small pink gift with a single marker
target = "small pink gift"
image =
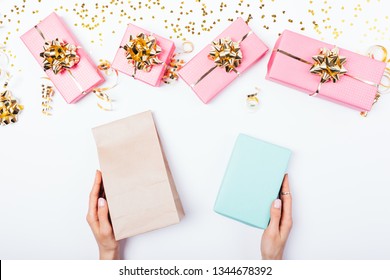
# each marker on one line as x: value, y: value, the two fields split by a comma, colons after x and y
x: 326, y: 71
x: 66, y: 64
x: 218, y: 64
x: 143, y: 55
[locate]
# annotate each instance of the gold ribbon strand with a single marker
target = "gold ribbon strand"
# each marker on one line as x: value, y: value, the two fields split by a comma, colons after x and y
x: 47, y: 98
x: 104, y: 101
x: 383, y: 88
x: 176, y: 64
x: 373, y: 51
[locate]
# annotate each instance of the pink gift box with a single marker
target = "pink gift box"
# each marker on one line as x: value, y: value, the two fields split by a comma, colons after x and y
x: 84, y: 76
x: 348, y: 91
x: 252, y: 49
x: 154, y: 76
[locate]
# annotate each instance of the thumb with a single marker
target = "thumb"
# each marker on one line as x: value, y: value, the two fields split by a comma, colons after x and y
x: 276, y: 213
x: 104, y: 223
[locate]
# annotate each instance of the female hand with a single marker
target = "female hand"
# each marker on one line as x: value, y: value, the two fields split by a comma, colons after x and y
x: 275, y: 236
x: 98, y: 220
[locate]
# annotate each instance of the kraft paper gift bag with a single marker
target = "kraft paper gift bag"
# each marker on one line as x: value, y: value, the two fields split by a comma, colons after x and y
x: 252, y: 181
x: 140, y: 191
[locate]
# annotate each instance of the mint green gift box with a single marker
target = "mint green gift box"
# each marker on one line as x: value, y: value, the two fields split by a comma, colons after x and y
x: 252, y: 181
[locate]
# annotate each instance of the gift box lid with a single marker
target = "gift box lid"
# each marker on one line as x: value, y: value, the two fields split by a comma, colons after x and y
x: 252, y: 49
x: 252, y: 181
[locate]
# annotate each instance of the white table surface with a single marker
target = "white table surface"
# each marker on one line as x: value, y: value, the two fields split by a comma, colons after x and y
x: 339, y: 171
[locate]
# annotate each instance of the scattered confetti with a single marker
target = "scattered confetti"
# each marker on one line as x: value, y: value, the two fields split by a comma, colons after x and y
x: 178, y: 18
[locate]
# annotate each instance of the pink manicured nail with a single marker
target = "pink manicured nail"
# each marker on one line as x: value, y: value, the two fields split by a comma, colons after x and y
x: 101, y: 202
x: 277, y: 203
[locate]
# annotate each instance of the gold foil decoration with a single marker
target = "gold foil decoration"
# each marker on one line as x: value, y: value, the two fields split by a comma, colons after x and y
x: 59, y: 56
x: 226, y: 53
x: 142, y: 52
x: 9, y: 108
x: 47, y: 94
x: 173, y: 67
x: 329, y: 65
x: 104, y: 65
x: 365, y: 113
x: 104, y: 101
x: 252, y: 101
x: 187, y: 47
x: 250, y: 17
x: 176, y: 64
x: 230, y: 58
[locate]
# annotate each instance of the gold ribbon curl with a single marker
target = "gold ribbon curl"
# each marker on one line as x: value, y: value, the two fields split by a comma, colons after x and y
x: 226, y: 54
x: 47, y: 94
x: 59, y: 56
x: 9, y: 108
x: 176, y: 64
x: 172, y: 68
x: 142, y: 52
x: 104, y: 101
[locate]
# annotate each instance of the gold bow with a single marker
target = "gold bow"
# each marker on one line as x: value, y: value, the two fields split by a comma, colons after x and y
x: 9, y: 108
x: 59, y: 56
x: 142, y: 51
x: 226, y: 53
x: 329, y: 65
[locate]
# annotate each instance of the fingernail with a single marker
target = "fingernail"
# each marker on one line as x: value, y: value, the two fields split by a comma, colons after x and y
x: 101, y: 202
x: 277, y: 203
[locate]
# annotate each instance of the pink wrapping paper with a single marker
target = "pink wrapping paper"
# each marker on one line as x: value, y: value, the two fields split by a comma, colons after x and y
x: 296, y: 74
x: 85, y: 72
x: 155, y: 75
x: 252, y: 50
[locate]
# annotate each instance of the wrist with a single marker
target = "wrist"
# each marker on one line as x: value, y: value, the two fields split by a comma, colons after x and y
x: 269, y: 258
x: 109, y: 254
x: 272, y: 256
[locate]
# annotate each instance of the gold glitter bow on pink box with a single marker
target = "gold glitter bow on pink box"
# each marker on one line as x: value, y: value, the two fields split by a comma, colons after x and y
x: 362, y: 78
x: 59, y: 56
x: 226, y: 53
x: 142, y: 52
x: 329, y: 65
x: 65, y: 62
